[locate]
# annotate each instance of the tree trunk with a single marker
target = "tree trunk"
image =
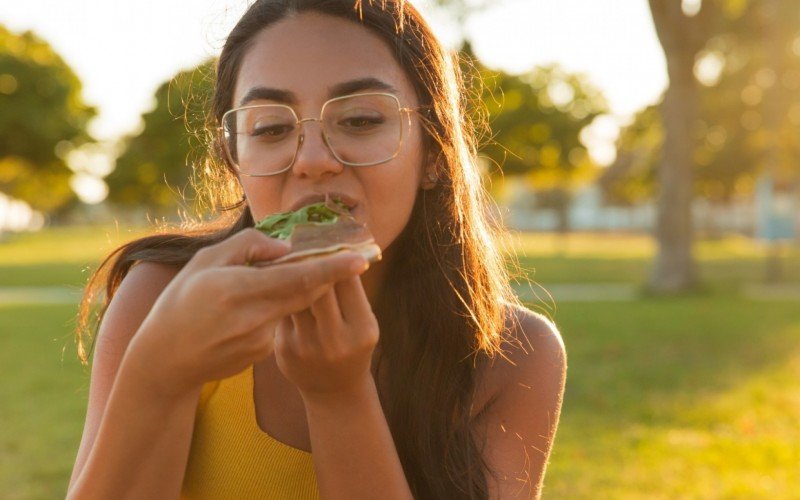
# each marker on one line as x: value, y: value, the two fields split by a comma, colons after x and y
x: 675, y: 269
x: 773, y: 115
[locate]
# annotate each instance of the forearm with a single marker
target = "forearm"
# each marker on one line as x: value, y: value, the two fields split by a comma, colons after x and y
x: 352, y: 448
x: 142, y: 445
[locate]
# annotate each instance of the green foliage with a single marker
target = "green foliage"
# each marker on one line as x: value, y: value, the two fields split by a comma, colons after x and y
x: 536, y: 120
x: 631, y: 179
x: 43, y: 117
x: 159, y: 160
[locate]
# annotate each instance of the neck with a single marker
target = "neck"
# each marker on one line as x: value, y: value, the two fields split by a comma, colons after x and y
x: 372, y: 280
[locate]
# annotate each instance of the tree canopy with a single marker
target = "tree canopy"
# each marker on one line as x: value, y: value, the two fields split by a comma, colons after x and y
x: 536, y: 120
x: 156, y: 166
x: 533, y: 125
x: 43, y: 117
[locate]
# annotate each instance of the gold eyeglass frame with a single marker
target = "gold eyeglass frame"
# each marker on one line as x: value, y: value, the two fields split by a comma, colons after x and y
x: 301, y: 136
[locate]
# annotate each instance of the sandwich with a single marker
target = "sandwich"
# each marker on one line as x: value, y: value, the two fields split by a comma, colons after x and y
x: 319, y: 229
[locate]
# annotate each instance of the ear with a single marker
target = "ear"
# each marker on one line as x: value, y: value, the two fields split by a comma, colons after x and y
x: 429, y: 177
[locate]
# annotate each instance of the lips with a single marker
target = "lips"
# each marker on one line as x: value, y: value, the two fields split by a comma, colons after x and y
x: 348, y: 201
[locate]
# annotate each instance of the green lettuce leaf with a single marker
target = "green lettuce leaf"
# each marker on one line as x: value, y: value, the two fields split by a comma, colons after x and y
x: 282, y: 224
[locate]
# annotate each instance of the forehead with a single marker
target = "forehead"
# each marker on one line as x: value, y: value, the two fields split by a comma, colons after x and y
x: 310, y: 53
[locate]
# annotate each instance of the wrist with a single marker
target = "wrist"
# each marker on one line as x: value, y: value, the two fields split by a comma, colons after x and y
x: 363, y: 390
x: 143, y: 373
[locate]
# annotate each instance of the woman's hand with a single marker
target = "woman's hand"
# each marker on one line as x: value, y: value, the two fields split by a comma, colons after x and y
x: 327, y: 349
x: 218, y: 315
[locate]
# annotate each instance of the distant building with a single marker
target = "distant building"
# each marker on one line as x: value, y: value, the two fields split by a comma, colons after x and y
x: 589, y: 211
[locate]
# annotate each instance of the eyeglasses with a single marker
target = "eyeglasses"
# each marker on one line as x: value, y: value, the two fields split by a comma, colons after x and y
x: 360, y: 130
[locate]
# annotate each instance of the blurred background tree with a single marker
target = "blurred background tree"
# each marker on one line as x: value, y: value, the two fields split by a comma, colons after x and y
x: 683, y: 28
x: 630, y: 180
x: 535, y: 122
x: 156, y: 166
x: 729, y: 115
x: 43, y: 118
x: 734, y: 70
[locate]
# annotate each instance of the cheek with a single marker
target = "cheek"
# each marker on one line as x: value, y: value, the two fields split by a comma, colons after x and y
x: 391, y: 201
x: 263, y: 197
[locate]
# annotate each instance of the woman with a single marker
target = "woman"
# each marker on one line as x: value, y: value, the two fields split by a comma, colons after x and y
x: 420, y: 376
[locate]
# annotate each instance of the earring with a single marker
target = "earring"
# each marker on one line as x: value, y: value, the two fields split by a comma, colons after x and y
x: 431, y: 179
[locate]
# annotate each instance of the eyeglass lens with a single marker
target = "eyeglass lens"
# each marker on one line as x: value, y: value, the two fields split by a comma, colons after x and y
x: 360, y: 130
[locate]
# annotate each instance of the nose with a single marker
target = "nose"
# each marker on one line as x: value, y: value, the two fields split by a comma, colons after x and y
x: 314, y: 157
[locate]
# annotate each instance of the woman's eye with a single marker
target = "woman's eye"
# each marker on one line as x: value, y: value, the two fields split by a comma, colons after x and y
x: 361, y: 122
x: 270, y: 131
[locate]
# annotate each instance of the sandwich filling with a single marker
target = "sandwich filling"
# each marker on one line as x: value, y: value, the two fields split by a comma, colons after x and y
x: 318, y: 229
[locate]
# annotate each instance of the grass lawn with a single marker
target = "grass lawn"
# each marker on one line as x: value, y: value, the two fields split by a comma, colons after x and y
x: 666, y: 398
x: 42, y: 401
x: 602, y: 258
x: 58, y: 256
x: 679, y: 398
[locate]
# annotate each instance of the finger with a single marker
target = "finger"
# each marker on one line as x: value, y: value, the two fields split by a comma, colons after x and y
x: 247, y: 246
x: 284, y: 338
x: 242, y: 286
x: 353, y: 302
x: 263, y: 340
x: 305, y: 332
x: 302, y: 277
x: 325, y: 311
x: 328, y: 319
x: 288, y: 288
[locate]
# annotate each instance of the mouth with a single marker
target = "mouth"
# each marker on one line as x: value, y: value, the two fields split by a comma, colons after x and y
x: 348, y: 201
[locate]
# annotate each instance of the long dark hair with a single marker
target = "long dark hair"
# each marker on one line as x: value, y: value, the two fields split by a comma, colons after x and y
x: 445, y: 306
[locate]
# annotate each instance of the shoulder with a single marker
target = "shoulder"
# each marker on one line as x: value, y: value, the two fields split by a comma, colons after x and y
x: 146, y: 278
x: 532, y: 344
x: 534, y: 327
x: 520, y: 422
x: 531, y: 364
x: 131, y: 303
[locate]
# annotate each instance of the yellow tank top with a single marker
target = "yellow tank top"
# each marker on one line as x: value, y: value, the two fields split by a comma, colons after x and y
x: 232, y: 458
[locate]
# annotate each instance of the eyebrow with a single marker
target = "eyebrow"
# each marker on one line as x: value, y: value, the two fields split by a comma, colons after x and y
x: 338, y: 90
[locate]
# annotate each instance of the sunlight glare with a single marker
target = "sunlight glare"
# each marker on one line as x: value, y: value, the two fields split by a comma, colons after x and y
x: 708, y: 68
x: 691, y: 8
x: 599, y: 138
x: 90, y: 189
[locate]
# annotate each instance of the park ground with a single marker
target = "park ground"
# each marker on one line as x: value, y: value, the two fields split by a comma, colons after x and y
x: 681, y: 397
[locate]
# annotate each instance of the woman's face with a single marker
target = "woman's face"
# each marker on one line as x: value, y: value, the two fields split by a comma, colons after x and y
x: 306, y: 57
